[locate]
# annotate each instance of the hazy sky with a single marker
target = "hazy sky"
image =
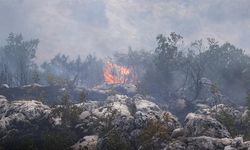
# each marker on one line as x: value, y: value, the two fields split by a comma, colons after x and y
x: 79, y: 27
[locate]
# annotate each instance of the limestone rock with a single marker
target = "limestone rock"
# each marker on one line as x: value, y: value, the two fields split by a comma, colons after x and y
x: 203, y: 125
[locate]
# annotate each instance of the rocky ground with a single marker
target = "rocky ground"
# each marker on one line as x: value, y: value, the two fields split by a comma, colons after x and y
x: 129, y: 121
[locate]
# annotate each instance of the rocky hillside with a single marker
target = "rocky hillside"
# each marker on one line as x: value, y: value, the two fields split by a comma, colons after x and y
x: 119, y: 122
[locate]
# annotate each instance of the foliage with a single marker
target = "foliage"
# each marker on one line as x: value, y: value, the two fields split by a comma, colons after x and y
x: 69, y: 113
x: 35, y: 75
x: 110, y: 115
x: 247, y: 121
x: 229, y: 122
x: 114, y: 141
x: 248, y: 103
x: 176, y: 72
x: 17, y: 60
x: 83, y: 97
x: 132, y: 108
x: 154, y: 130
x: 40, y: 136
x: 58, y: 139
x: 56, y: 80
x: 60, y: 70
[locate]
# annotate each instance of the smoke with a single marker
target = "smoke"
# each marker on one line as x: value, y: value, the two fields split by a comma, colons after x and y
x: 101, y: 27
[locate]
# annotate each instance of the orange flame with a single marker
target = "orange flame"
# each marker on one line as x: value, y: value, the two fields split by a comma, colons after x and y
x: 114, y: 73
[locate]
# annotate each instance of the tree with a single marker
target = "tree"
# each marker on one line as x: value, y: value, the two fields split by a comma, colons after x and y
x: 195, y: 67
x: 69, y: 113
x: 137, y: 61
x: 160, y: 76
x: 92, y: 71
x: 246, y: 123
x: 75, y: 72
x: 35, y: 74
x: 18, y: 55
x: 83, y: 96
x: 248, y: 103
x: 6, y: 75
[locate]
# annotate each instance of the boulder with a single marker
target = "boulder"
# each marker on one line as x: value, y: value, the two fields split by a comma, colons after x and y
x: 229, y: 147
x: 145, y: 105
x: 101, y: 92
x: 207, y: 143
x: 21, y: 111
x: 87, y: 142
x: 203, y: 125
x: 5, y: 86
x: 176, y: 145
x: 177, y: 133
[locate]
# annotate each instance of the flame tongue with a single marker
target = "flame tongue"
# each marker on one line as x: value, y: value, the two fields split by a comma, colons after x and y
x: 114, y: 73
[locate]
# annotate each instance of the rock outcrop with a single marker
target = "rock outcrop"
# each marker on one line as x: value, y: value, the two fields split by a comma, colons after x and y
x: 202, y: 125
x: 87, y: 142
x: 119, y: 122
x: 22, y: 111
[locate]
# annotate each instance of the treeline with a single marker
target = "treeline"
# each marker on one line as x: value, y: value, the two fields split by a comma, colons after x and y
x: 202, y: 70
x: 18, y: 68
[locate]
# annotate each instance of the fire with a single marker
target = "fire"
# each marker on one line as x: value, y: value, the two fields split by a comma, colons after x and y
x: 114, y: 73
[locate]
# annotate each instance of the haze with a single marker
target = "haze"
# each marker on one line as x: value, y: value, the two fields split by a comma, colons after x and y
x: 101, y: 27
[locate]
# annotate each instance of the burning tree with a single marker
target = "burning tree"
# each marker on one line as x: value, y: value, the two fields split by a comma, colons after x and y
x: 114, y: 73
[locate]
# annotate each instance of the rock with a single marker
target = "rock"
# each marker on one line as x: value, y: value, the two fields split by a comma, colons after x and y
x: 205, y: 81
x: 246, y: 145
x: 4, y: 105
x: 101, y: 92
x: 181, y: 104
x: 21, y: 111
x: 56, y: 121
x: 217, y: 109
x: 237, y: 142
x: 144, y: 105
x: 202, y: 125
x: 203, y: 109
x: 229, y: 147
x: 119, y: 103
x: 31, y: 109
x: 177, y: 133
x: 123, y: 122
x: 5, y: 86
x: 245, y: 115
x: 87, y: 142
x: 84, y: 115
x: 32, y: 85
x: 89, y: 105
x: 114, y: 139
x: 176, y: 145
x: 207, y: 143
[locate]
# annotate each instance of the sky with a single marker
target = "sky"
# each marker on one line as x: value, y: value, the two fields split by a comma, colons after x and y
x: 101, y: 27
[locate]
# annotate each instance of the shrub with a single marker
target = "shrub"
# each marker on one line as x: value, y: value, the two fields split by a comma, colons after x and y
x: 154, y: 130
x: 229, y: 122
x: 113, y: 141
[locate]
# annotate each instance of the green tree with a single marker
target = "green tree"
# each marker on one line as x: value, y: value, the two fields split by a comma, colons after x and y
x: 19, y: 55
